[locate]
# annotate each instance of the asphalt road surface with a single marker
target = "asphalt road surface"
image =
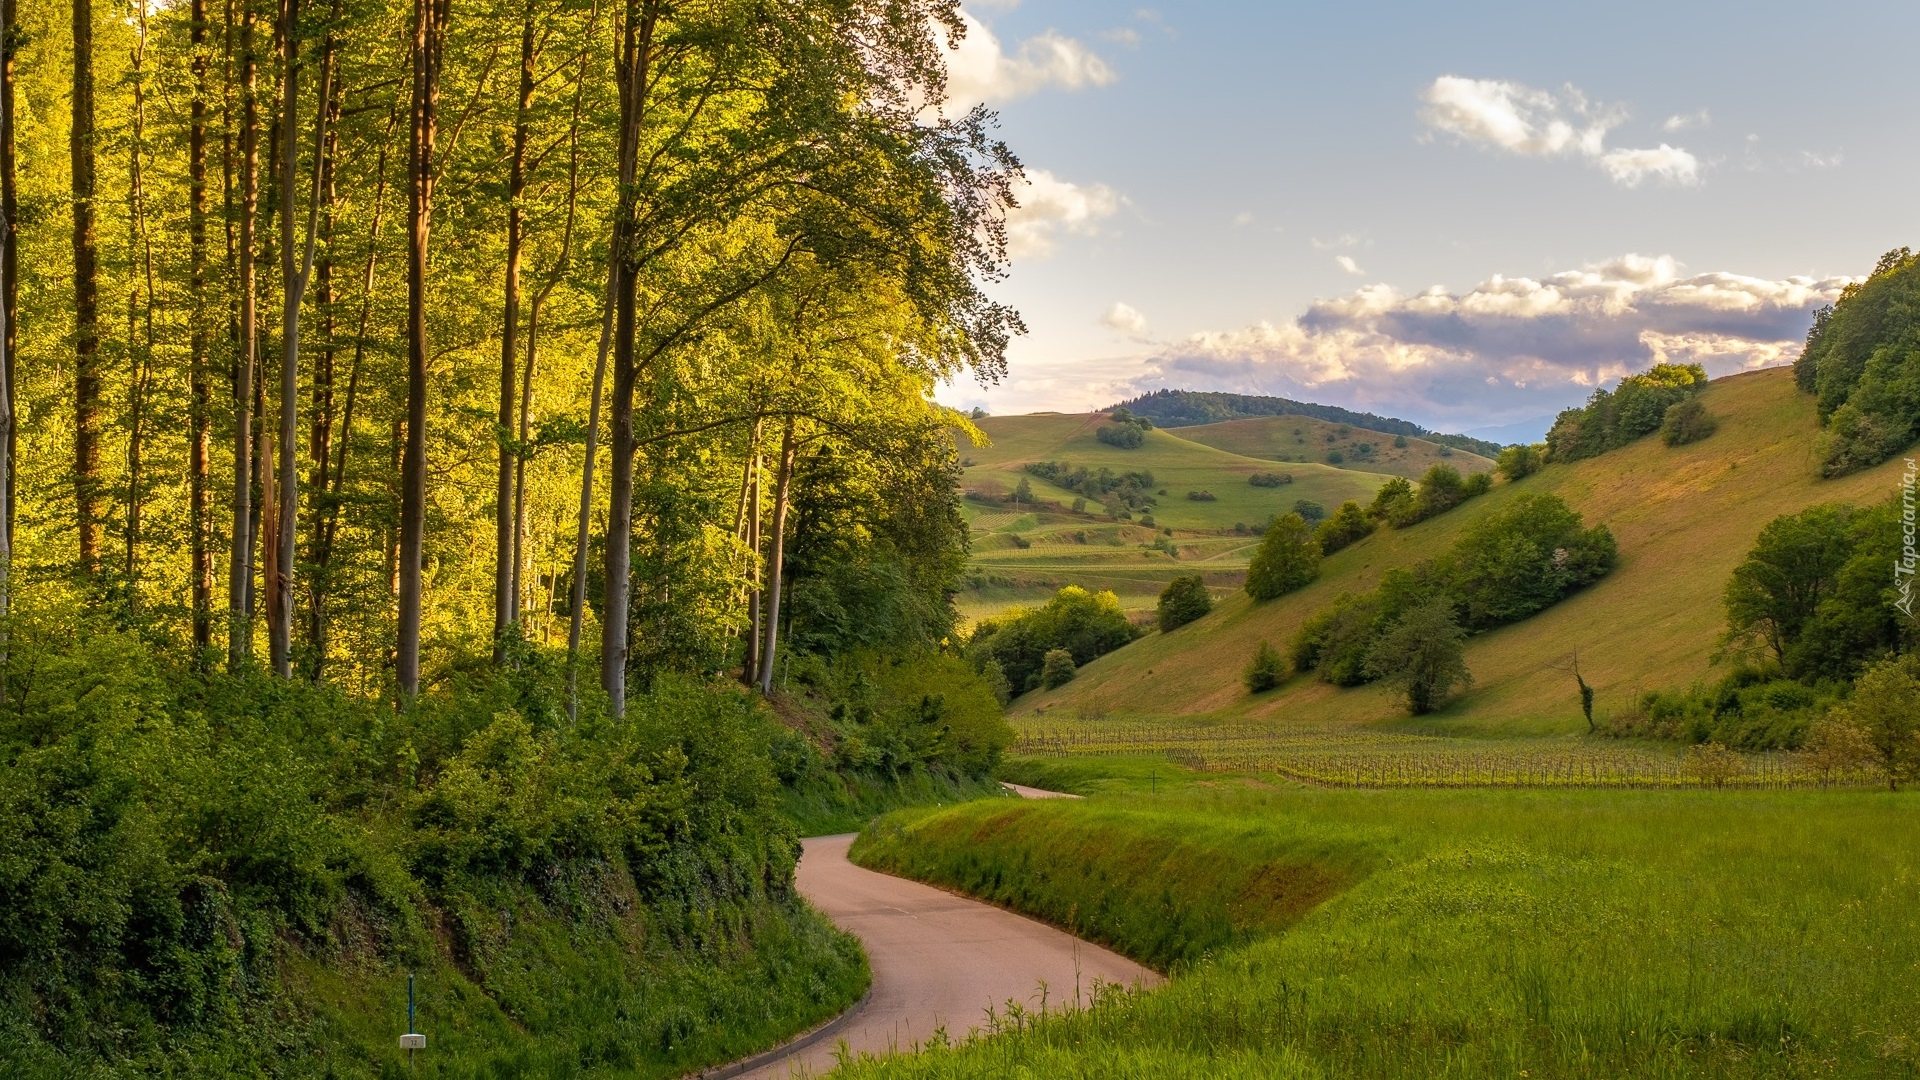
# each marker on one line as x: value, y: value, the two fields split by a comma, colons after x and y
x: 939, y: 960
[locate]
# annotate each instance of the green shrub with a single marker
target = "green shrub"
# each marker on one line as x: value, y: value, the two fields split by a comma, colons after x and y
x: 1265, y: 671
x: 1201, y: 496
x: 1086, y: 625
x: 1614, y: 418
x: 1311, y: 512
x: 1288, y: 558
x: 1399, y: 442
x: 1520, y: 460
x: 1057, y: 669
x: 1125, y: 437
x: 1270, y: 479
x: 1182, y: 601
x: 1348, y: 524
x: 1687, y: 422
x: 1478, y: 484
x: 1422, y: 656
x: 1524, y: 558
x: 1393, y: 501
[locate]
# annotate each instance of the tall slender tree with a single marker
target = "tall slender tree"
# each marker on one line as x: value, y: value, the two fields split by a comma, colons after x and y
x: 86, y: 297
x: 9, y: 246
x: 199, y: 404
x: 429, y: 32
x: 240, y: 559
x: 503, y: 514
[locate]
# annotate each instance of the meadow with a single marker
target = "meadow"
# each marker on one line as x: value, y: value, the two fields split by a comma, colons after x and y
x: 1536, y: 933
x: 1021, y: 555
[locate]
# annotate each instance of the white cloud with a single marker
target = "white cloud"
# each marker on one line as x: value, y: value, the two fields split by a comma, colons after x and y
x: 1050, y: 206
x: 1683, y: 121
x: 979, y: 70
x: 1516, y: 117
x: 1508, y: 349
x: 1125, y: 319
x: 1346, y: 263
x: 1671, y: 164
x: 1523, y: 120
x: 1820, y: 161
x: 1344, y: 240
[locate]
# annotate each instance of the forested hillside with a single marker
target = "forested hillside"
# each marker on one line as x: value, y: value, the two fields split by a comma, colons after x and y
x: 1180, y: 408
x: 416, y: 417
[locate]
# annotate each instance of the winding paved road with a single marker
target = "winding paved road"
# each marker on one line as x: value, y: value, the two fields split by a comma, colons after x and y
x: 939, y: 960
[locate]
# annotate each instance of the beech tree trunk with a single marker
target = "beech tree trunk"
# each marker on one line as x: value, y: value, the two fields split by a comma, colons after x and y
x: 776, y: 563
x: 199, y: 407
x: 635, y: 67
x: 429, y: 29
x: 9, y: 259
x: 577, y: 588
x: 86, y: 298
x: 503, y: 519
x: 240, y: 561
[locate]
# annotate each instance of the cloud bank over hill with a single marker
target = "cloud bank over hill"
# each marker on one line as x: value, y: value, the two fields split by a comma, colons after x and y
x: 1508, y: 349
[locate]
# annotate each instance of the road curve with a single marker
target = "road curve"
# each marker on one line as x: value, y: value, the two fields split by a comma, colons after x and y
x: 939, y: 960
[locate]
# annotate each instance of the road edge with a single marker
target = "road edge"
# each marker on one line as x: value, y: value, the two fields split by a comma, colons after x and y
x: 788, y: 1048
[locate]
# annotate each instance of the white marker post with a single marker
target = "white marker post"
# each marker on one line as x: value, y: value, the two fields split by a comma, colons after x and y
x: 412, y: 1040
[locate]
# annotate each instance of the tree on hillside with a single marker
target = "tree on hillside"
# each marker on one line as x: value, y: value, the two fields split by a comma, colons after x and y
x: 1348, y: 524
x: 1422, y: 656
x: 1288, y: 558
x: 1886, y: 707
x: 1182, y: 601
x: 1793, y: 566
x: 1862, y: 361
x: 1520, y: 460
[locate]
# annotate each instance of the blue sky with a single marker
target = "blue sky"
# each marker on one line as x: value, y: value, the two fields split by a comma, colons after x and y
x: 1466, y: 215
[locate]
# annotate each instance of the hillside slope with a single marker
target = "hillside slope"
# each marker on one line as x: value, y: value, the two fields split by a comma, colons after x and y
x: 1684, y: 518
x: 1304, y: 439
x: 1022, y: 554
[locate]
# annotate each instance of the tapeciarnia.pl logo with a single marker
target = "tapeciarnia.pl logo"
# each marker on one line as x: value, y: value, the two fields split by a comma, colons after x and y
x: 1903, y: 567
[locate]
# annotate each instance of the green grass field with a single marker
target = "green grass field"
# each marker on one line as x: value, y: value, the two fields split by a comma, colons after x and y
x: 1095, y: 551
x: 1684, y: 517
x: 1447, y: 933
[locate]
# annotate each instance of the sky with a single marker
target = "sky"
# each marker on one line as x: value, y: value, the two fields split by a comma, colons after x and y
x: 1465, y: 215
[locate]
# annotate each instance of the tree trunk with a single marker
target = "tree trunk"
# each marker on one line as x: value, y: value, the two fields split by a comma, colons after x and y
x: 86, y: 298
x: 503, y: 517
x: 240, y: 562
x: 577, y: 588
x: 330, y: 523
x: 749, y: 529
x: 296, y: 270
x: 199, y: 412
x: 429, y: 28
x: 776, y: 564
x: 634, y: 69
x: 9, y: 264
x: 140, y: 342
x: 320, y: 435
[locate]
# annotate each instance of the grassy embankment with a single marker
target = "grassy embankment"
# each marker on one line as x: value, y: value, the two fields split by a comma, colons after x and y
x: 1684, y: 517
x: 1458, y: 934
x: 1093, y: 550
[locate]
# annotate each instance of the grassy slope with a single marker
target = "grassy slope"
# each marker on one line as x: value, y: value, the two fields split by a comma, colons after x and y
x: 1509, y: 934
x: 1301, y: 438
x: 1111, y: 556
x: 1684, y: 518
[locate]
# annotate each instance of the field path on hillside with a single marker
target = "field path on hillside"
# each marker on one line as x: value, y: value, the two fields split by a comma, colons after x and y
x: 939, y: 960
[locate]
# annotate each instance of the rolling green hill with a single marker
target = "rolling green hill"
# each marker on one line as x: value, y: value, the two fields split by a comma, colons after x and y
x: 1304, y: 439
x: 1062, y: 547
x: 1684, y: 517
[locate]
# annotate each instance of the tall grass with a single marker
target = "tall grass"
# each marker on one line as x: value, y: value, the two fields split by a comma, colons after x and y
x: 1504, y: 933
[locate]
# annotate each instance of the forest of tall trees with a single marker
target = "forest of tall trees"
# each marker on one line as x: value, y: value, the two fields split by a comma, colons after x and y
x: 349, y: 338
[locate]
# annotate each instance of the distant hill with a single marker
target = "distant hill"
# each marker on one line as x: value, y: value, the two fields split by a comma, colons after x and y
x: 1303, y: 438
x: 1684, y: 517
x: 1185, y: 408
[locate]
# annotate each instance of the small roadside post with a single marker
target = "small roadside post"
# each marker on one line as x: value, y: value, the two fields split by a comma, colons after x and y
x: 412, y: 1040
